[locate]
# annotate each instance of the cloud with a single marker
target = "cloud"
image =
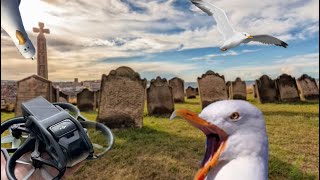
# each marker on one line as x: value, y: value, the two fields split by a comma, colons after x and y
x: 295, y: 66
x: 82, y: 32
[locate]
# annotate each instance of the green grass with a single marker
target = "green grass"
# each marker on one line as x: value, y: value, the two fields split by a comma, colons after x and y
x: 165, y: 149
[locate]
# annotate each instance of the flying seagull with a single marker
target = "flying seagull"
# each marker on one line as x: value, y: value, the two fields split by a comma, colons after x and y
x: 233, y: 38
x: 237, y: 142
x: 11, y: 22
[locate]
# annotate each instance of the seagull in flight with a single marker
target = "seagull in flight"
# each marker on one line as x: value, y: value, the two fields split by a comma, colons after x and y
x: 233, y: 38
x: 237, y: 141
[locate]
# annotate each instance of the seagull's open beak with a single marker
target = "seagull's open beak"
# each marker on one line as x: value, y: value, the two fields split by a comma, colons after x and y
x: 216, y: 140
x: 249, y: 36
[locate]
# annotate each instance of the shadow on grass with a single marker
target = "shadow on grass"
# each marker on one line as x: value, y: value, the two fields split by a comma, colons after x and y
x: 282, y: 170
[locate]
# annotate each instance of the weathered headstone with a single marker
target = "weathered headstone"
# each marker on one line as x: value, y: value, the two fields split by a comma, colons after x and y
x: 177, y: 85
x: 42, y: 50
x: 228, y: 83
x: 308, y: 87
x: 32, y: 87
x: 191, y: 92
x: 212, y: 87
x: 288, y: 90
x: 122, y: 97
x: 266, y: 89
x: 160, y: 98
x: 85, y: 100
x: 238, y: 89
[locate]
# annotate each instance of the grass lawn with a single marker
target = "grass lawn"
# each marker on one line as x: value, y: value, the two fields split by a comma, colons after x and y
x: 165, y: 149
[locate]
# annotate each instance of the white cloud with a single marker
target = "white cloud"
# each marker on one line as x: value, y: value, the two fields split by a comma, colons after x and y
x: 84, y: 31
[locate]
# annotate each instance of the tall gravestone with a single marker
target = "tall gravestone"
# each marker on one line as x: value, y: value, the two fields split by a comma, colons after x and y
x: 42, y: 50
x: 160, y: 98
x: 177, y: 85
x: 212, y: 87
x: 122, y: 96
x: 308, y: 87
x: 238, y: 89
x: 85, y: 100
x: 288, y: 90
x: 266, y: 89
x: 191, y: 92
x: 32, y: 87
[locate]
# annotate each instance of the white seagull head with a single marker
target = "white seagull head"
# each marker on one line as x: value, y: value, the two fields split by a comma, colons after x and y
x: 234, y: 129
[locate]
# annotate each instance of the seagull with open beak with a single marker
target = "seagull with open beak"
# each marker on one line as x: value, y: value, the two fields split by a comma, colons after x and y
x: 236, y: 144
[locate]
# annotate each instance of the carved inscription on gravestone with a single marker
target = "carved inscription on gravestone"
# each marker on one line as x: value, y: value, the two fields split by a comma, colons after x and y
x: 212, y: 87
x: 308, y: 87
x: 85, y: 100
x: 177, y: 85
x: 122, y: 96
x: 288, y: 89
x: 160, y: 98
x: 238, y: 89
x: 266, y: 89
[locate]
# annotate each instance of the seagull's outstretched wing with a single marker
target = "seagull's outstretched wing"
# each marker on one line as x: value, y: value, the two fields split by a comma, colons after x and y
x: 219, y: 15
x: 266, y: 39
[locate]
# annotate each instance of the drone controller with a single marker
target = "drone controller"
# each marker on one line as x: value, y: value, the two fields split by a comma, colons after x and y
x: 52, y: 138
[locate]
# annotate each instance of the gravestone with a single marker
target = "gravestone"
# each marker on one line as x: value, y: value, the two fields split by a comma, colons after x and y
x: 228, y: 83
x: 238, y: 89
x: 191, y: 92
x: 177, y: 85
x: 85, y: 100
x: 122, y: 96
x: 160, y: 98
x: 212, y: 87
x: 266, y: 90
x: 32, y: 87
x: 288, y: 90
x: 308, y: 87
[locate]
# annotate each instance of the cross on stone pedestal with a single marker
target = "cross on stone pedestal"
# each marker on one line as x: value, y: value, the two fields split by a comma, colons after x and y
x: 42, y: 50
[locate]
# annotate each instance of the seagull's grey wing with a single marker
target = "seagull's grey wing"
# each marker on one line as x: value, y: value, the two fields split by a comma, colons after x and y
x: 219, y: 15
x: 266, y: 39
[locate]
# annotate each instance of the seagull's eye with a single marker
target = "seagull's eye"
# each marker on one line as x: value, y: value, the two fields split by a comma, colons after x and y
x: 234, y: 116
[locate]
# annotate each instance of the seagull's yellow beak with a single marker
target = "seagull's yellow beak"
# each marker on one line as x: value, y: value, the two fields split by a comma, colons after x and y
x: 213, y: 149
x: 249, y: 36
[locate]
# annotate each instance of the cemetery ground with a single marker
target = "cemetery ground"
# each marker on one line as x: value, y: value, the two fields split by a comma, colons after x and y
x: 165, y: 149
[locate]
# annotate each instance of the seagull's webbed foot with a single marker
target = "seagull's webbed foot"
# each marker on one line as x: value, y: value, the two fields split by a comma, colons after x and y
x: 223, y: 49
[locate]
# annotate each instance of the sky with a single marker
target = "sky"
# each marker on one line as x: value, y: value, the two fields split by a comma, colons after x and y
x: 166, y: 38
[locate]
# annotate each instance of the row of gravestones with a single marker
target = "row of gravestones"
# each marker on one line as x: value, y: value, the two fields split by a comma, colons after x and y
x: 122, y: 94
x: 285, y: 89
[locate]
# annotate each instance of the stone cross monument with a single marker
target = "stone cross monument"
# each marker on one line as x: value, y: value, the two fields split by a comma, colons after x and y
x: 42, y: 50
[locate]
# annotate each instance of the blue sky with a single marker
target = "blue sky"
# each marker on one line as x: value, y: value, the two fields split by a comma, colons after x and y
x: 167, y: 38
